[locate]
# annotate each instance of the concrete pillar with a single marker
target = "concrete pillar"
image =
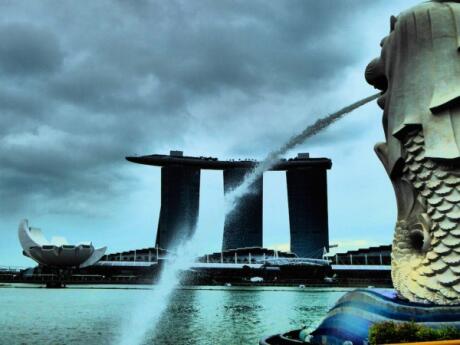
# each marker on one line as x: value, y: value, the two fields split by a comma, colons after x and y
x: 243, y: 226
x: 308, y: 217
x: 180, y: 196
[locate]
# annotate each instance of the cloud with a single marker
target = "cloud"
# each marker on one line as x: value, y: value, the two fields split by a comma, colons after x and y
x: 102, y: 80
x: 27, y: 50
x: 148, y: 75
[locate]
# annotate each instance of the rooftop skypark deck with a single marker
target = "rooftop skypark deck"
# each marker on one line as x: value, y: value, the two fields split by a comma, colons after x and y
x: 212, y: 163
x: 306, y: 180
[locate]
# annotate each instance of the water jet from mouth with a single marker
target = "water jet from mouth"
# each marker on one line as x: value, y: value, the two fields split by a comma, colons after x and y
x: 232, y: 198
x: 147, y: 315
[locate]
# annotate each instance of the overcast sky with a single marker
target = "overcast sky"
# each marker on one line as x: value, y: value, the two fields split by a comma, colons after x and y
x: 85, y: 83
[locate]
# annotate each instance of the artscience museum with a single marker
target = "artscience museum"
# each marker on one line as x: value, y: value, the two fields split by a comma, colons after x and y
x: 57, y: 252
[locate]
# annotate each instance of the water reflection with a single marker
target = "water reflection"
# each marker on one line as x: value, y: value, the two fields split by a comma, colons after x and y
x: 242, y: 313
x: 177, y: 325
x: 194, y: 317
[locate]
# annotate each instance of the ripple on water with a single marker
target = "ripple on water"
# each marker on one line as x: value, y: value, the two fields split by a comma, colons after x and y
x: 201, y: 317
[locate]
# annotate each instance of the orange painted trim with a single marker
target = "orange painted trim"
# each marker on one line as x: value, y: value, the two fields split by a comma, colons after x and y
x: 443, y: 342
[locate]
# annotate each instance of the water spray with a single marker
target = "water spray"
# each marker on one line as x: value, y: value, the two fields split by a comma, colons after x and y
x: 232, y: 198
x: 148, y: 314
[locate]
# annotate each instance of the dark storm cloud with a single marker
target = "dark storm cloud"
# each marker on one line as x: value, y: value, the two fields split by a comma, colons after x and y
x: 100, y: 80
x: 17, y: 102
x: 250, y: 46
x: 27, y: 50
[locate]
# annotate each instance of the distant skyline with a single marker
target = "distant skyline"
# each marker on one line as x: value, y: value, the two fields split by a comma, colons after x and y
x: 84, y: 84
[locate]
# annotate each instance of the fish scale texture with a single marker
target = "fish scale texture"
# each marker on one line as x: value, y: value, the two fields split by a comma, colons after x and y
x: 430, y: 274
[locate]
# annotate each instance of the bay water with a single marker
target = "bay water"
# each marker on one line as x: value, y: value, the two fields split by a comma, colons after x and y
x: 195, y: 316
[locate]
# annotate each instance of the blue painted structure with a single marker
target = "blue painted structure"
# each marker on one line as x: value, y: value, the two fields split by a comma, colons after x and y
x: 356, y: 311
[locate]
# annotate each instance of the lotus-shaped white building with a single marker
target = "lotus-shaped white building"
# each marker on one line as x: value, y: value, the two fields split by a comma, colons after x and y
x: 56, y: 252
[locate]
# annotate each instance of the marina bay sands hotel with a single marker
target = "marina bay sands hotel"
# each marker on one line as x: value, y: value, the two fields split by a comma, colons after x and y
x: 180, y: 194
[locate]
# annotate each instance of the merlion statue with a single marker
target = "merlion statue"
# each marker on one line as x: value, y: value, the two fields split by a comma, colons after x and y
x: 419, y: 75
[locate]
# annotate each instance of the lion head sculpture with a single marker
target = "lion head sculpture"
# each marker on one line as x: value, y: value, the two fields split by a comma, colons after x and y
x: 418, y: 73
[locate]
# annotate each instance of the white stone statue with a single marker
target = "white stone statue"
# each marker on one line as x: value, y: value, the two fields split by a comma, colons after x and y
x: 419, y: 75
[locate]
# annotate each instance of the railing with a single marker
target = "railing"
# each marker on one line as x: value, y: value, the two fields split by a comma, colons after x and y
x: 361, y: 259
